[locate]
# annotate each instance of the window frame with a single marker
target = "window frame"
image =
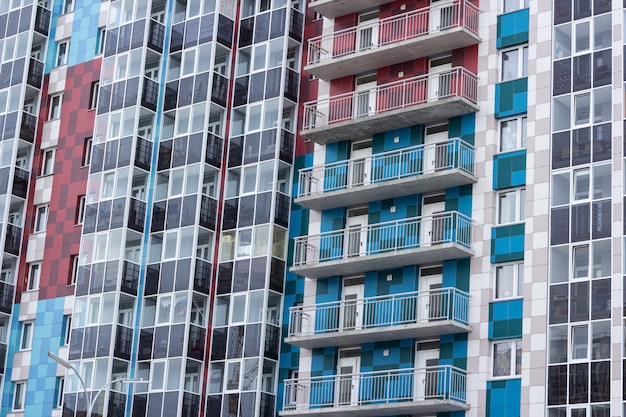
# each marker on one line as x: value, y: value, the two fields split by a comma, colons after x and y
x: 47, y: 161
x: 521, y: 67
x: 87, y: 148
x: 60, y: 389
x: 516, y: 284
x: 520, y: 131
x: 515, y: 366
x: 26, y: 335
x: 73, y: 269
x: 41, y: 218
x: 63, y: 50
x: 519, y: 205
x: 68, y: 6
x: 80, y: 209
x: 514, y: 5
x: 19, y: 395
x: 93, y: 95
x: 55, y: 105
x: 34, y: 276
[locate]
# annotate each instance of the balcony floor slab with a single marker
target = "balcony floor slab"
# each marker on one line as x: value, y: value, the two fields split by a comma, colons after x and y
x: 336, y: 8
x: 364, y: 127
x: 418, y: 331
x: 422, y: 407
x: 392, y: 259
x: 418, y: 184
x: 393, y: 53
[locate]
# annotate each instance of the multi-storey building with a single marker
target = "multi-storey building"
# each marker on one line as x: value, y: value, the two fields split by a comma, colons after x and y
x: 323, y: 208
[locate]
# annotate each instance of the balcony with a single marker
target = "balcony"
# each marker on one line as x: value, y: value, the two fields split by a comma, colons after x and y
x: 416, y: 391
x: 415, y: 315
x: 35, y: 73
x: 416, y: 34
x: 413, y: 170
x: 355, y: 250
x: 336, y: 8
x: 422, y: 99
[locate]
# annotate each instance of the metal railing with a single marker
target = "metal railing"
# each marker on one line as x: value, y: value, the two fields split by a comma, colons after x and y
x: 393, y: 29
x: 387, y: 166
x: 443, y: 304
x: 456, y: 82
x: 443, y: 382
x: 394, y: 236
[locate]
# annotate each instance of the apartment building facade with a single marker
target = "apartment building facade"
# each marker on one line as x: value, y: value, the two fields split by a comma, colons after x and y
x: 321, y: 208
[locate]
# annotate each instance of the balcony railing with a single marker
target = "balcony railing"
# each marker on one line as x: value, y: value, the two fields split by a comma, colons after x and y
x: 416, y: 100
x: 382, y: 311
x: 411, y: 29
x: 394, y: 244
x: 380, y: 169
x: 391, y: 392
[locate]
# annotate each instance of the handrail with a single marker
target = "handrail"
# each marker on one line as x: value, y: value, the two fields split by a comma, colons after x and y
x: 444, y: 382
x: 410, y: 92
x: 410, y: 25
x: 386, y: 166
x: 382, y: 311
x: 393, y: 236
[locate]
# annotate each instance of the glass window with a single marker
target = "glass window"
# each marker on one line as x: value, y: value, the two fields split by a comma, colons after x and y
x: 511, y: 206
x: 580, y: 261
x: 507, y: 358
x: 514, y: 63
x: 69, y: 6
x: 63, y: 49
x: 41, y: 218
x: 34, y: 273
x: 513, y: 134
x: 580, y: 342
x: 19, y: 395
x: 509, y: 280
x: 55, y: 106
x: 582, y: 109
x: 581, y: 184
x: 512, y: 5
x: 47, y: 167
x: 27, y: 336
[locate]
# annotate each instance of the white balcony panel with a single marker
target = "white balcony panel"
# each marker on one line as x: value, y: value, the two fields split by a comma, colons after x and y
x: 400, y: 38
x: 418, y: 100
x: 417, y: 391
x: 336, y: 8
x: 413, y: 241
x: 406, y: 171
x: 419, y: 315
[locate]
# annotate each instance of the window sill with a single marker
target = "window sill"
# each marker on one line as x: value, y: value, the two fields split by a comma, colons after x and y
x: 503, y: 378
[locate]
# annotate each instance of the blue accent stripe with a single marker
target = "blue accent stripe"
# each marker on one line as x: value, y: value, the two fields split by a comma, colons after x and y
x: 152, y: 181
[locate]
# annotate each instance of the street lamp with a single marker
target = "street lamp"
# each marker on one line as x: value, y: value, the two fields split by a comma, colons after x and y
x: 92, y: 403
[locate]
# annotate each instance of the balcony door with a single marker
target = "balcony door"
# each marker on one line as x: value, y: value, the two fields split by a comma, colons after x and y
x: 365, y: 95
x: 356, y: 232
x: 426, y: 378
x: 347, y: 387
x: 432, y: 226
x: 435, y: 156
x: 440, y: 78
x: 430, y: 307
x: 359, y: 172
x: 367, y: 30
x: 351, y: 313
x: 442, y: 15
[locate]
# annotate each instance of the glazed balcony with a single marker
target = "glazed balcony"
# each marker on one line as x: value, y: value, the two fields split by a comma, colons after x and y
x: 418, y: 100
x: 412, y: 170
x: 416, y: 34
x: 415, y: 315
x: 414, y: 391
x: 394, y: 244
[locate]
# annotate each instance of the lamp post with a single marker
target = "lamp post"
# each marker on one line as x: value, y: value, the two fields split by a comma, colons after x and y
x: 92, y: 403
